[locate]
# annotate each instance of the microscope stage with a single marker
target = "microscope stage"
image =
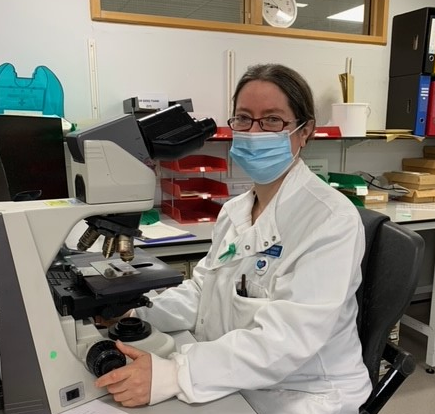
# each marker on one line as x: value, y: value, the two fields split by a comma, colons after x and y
x: 89, y: 284
x: 142, y: 274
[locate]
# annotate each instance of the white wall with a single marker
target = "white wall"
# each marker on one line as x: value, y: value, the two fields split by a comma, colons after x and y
x: 183, y: 63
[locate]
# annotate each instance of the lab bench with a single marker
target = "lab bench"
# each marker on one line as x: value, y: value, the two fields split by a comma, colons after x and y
x: 234, y: 404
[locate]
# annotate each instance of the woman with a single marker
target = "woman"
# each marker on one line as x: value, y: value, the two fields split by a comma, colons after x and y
x: 272, y: 305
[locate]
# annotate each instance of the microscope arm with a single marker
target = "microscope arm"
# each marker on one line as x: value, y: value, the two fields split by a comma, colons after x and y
x: 167, y: 134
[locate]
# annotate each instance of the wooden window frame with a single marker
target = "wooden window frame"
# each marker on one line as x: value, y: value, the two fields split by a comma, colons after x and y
x: 378, y: 29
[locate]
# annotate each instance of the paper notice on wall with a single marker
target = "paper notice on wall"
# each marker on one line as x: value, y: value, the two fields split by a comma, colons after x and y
x: 153, y: 101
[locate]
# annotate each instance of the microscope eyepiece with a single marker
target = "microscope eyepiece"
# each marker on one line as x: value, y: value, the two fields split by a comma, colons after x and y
x: 172, y: 133
x: 208, y: 126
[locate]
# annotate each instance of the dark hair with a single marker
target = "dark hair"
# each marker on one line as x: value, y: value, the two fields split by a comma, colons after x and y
x: 295, y: 87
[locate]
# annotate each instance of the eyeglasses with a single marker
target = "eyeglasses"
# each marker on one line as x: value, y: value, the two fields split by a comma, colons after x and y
x: 267, y: 123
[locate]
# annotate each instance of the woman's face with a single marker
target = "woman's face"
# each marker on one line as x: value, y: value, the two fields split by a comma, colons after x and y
x: 258, y: 99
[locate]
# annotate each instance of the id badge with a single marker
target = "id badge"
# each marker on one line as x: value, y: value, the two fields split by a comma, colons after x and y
x: 274, y: 251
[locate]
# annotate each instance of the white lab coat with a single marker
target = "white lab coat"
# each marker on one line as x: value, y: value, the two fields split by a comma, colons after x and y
x: 295, y: 337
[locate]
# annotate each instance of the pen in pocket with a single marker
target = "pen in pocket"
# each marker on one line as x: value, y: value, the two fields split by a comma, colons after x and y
x: 243, y: 291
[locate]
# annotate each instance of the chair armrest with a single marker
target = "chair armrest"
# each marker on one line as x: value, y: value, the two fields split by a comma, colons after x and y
x: 402, y: 365
x: 400, y: 359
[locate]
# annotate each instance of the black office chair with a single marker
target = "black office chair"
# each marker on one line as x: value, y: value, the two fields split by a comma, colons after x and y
x: 390, y: 271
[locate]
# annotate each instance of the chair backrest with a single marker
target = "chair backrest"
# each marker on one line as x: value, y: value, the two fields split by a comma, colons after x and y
x: 390, y: 270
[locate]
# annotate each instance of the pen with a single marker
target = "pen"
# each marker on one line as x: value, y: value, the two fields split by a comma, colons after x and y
x: 243, y: 291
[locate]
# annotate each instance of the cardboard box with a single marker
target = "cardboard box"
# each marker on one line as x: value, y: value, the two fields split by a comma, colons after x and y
x: 419, y: 196
x: 429, y: 152
x: 412, y: 179
x: 419, y: 165
x: 373, y: 199
x: 375, y: 206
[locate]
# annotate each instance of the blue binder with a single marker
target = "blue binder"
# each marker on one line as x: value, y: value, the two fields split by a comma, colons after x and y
x: 408, y: 98
x: 422, y: 105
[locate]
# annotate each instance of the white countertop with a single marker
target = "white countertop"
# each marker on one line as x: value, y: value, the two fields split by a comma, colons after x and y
x: 417, y: 216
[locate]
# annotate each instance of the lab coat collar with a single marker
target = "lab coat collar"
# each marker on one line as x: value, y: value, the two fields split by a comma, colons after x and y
x: 248, y: 239
x: 239, y: 208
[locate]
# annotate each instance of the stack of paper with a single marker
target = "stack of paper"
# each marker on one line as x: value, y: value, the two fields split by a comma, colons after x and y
x: 162, y: 232
x: 392, y: 134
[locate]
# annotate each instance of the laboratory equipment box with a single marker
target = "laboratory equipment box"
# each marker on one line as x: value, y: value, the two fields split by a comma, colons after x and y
x: 419, y: 165
x: 419, y: 196
x: 412, y: 179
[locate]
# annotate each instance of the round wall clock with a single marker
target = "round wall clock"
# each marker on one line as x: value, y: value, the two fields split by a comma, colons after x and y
x: 280, y: 13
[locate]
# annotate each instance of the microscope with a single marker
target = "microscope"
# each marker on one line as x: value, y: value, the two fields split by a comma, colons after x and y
x: 51, y: 349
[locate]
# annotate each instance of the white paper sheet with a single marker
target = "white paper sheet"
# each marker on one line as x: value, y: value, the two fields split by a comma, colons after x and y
x: 94, y: 407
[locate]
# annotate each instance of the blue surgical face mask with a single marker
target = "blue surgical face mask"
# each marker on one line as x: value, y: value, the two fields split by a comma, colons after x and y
x: 263, y: 156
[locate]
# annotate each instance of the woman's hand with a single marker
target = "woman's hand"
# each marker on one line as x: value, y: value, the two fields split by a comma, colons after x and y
x: 130, y: 385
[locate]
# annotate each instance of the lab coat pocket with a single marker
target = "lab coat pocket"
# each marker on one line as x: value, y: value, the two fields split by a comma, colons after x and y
x: 244, y: 310
x: 256, y: 291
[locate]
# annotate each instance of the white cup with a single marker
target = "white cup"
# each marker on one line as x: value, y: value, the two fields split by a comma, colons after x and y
x: 351, y: 118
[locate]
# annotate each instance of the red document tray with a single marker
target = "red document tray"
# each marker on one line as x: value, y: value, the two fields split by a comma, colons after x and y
x: 198, y: 187
x: 196, y: 163
x: 191, y: 211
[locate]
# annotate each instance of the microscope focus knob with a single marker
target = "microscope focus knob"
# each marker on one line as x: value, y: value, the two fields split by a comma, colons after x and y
x: 103, y: 357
